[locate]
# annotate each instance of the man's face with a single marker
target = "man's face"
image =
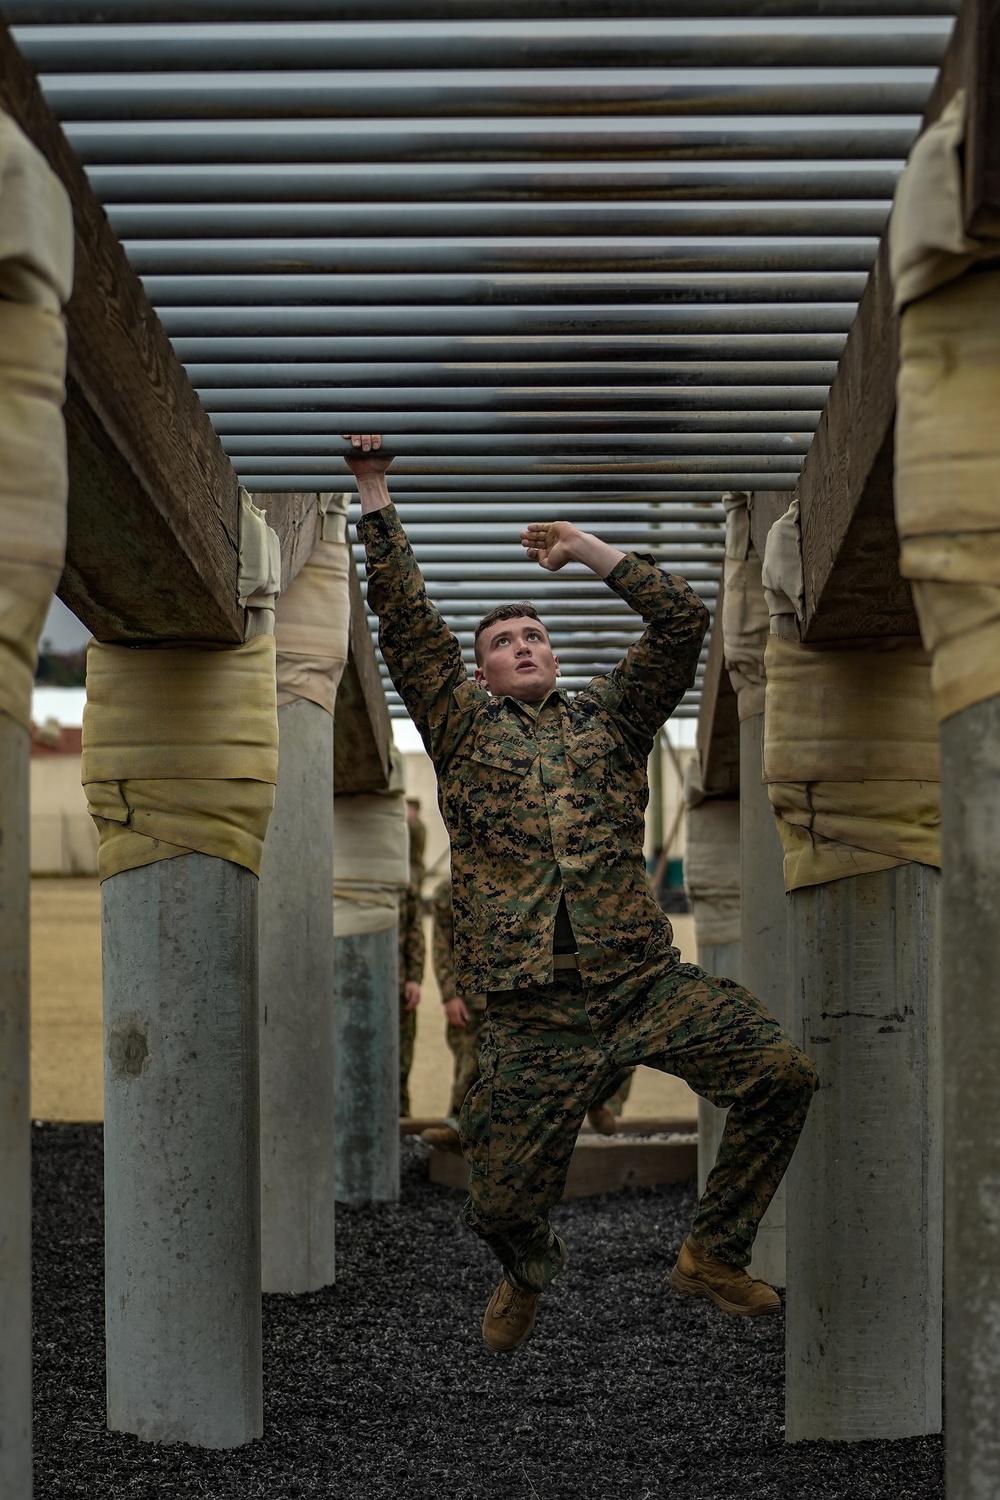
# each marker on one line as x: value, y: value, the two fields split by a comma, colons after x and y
x: 517, y: 660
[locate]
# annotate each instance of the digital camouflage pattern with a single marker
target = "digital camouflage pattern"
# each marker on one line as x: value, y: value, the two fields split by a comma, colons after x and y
x: 464, y: 1042
x: 550, y: 799
x: 412, y: 954
x: 549, y: 1050
x: 541, y: 801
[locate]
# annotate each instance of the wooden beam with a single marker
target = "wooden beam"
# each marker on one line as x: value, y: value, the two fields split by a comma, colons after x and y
x: 152, y: 544
x: 362, y: 730
x: 850, y: 550
x: 718, y: 720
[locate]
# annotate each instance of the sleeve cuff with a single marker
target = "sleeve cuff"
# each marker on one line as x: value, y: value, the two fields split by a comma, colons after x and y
x: 384, y: 522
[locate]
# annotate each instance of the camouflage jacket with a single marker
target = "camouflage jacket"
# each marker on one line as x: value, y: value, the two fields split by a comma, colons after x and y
x: 544, y: 802
x: 412, y: 948
x: 443, y: 943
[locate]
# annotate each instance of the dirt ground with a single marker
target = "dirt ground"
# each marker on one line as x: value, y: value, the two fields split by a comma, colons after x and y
x: 66, y: 1051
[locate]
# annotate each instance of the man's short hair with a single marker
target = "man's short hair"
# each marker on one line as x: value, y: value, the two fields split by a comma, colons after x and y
x: 515, y: 611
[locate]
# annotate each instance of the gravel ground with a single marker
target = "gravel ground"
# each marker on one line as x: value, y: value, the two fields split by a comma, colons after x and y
x: 380, y: 1387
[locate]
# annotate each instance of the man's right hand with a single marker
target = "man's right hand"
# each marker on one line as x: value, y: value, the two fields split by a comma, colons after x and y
x: 368, y: 466
x: 457, y: 1011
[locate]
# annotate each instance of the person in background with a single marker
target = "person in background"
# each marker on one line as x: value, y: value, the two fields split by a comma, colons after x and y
x: 412, y: 952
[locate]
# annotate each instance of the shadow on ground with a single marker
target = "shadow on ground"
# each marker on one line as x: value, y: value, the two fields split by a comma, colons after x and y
x: 379, y: 1387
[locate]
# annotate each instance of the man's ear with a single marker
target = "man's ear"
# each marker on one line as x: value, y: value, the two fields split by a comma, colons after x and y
x: 556, y: 660
x: 480, y: 676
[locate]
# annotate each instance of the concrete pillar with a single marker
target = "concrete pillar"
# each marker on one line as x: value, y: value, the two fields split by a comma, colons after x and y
x: 970, y: 963
x: 182, y: 1257
x: 366, y: 1073
x: 863, y: 1343
x: 15, y: 1121
x: 764, y: 911
x: 723, y: 960
x: 296, y: 1009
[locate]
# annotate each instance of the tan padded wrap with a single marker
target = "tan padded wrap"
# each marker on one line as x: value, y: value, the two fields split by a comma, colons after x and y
x: 851, y: 758
x: 711, y: 861
x: 928, y: 245
x: 180, y: 752
x: 311, y: 628
x: 36, y: 272
x: 947, y: 483
x: 781, y: 573
x: 744, y: 612
x: 258, y: 582
x: 371, y: 857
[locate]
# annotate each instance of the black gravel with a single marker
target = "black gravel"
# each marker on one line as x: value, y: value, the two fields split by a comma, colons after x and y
x: 380, y: 1387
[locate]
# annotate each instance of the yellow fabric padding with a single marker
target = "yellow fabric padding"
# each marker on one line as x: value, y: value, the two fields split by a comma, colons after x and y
x: 371, y: 857
x: 851, y: 758
x: 947, y: 481
x: 36, y: 277
x: 744, y: 611
x: 711, y: 860
x: 33, y: 490
x: 36, y: 224
x: 928, y: 245
x: 180, y: 752
x: 311, y: 628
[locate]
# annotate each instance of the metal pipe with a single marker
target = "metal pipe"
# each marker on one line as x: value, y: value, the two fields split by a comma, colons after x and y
x: 537, y: 320
x: 577, y: 43
x: 72, y: 11
x: 491, y: 293
x: 632, y: 519
x: 327, y: 479
x: 301, y: 349
x: 522, y: 430
x: 395, y: 219
x: 746, y: 137
x: 439, y: 558
x: 473, y: 472
x: 403, y: 93
x: 511, y: 401
x: 556, y: 448
x: 421, y: 375
x: 774, y: 254
x: 353, y: 182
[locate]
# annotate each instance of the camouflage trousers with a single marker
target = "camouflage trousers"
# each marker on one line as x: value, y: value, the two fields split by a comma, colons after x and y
x: 465, y: 1043
x: 407, y: 1037
x: 547, y: 1055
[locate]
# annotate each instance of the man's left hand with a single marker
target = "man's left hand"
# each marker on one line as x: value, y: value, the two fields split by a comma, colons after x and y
x: 411, y: 994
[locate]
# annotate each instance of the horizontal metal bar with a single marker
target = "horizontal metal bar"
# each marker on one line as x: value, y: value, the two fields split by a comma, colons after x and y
x: 318, y: 479
x: 509, y: 562
x: 536, y: 321
x: 596, y: 510
x: 522, y: 581
x: 622, y: 43
x: 773, y: 254
x: 455, y: 293
x: 733, y: 138
x: 509, y: 471
x: 627, y: 400
x: 552, y: 218
x: 357, y: 182
x: 556, y: 448
x: 627, y: 522
x: 522, y: 431
x: 563, y: 348
x: 553, y: 372
x: 82, y: 11
x: 473, y: 535
x: 402, y: 93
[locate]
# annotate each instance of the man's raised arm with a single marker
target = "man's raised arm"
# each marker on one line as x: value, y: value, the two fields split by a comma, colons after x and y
x: 658, y: 670
x: 423, y: 656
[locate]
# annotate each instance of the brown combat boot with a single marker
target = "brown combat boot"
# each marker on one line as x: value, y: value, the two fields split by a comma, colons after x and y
x: 602, y: 1120
x: 444, y: 1137
x: 509, y: 1318
x: 698, y: 1274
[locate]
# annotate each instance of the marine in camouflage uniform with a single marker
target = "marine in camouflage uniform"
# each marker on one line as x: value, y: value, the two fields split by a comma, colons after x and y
x: 544, y: 802
x: 464, y: 1042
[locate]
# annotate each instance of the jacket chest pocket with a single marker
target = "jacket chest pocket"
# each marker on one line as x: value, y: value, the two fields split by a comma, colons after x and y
x: 502, y: 758
x: 594, y: 751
